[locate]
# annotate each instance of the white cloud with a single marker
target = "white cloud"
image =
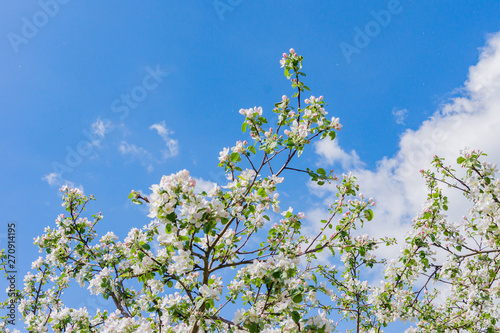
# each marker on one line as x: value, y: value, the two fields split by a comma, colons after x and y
x: 400, y: 115
x: 161, y: 129
x: 55, y: 179
x: 470, y: 120
x: 130, y: 149
x: 99, y: 129
x: 146, y: 157
x: 52, y: 178
x: 203, y: 185
x: 139, y: 153
x: 172, y: 145
x: 332, y: 153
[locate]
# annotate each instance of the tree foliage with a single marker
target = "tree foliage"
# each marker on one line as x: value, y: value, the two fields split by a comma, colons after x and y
x: 213, y: 262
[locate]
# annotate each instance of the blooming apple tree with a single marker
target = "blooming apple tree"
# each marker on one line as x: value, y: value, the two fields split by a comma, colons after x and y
x: 447, y: 277
x: 231, y: 260
x: 213, y: 262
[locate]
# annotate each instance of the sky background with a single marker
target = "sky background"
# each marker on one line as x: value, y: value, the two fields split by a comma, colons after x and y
x: 109, y: 96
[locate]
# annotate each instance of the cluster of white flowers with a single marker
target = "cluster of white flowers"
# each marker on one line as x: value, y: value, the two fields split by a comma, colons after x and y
x: 321, y: 321
x: 213, y: 289
x: 251, y: 113
x: 96, y: 283
x: 115, y: 323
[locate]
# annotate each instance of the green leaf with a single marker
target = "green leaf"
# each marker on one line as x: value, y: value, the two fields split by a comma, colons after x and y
x: 207, y: 227
x: 296, y: 317
x: 170, y: 284
x: 171, y: 217
x: 332, y: 135
x: 146, y: 246
x: 244, y: 127
x: 297, y: 298
x: 234, y: 157
x: 252, y: 327
x: 252, y: 149
x: 460, y: 160
x: 368, y: 214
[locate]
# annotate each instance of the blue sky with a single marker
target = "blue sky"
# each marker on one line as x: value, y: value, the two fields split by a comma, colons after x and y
x: 187, y: 67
